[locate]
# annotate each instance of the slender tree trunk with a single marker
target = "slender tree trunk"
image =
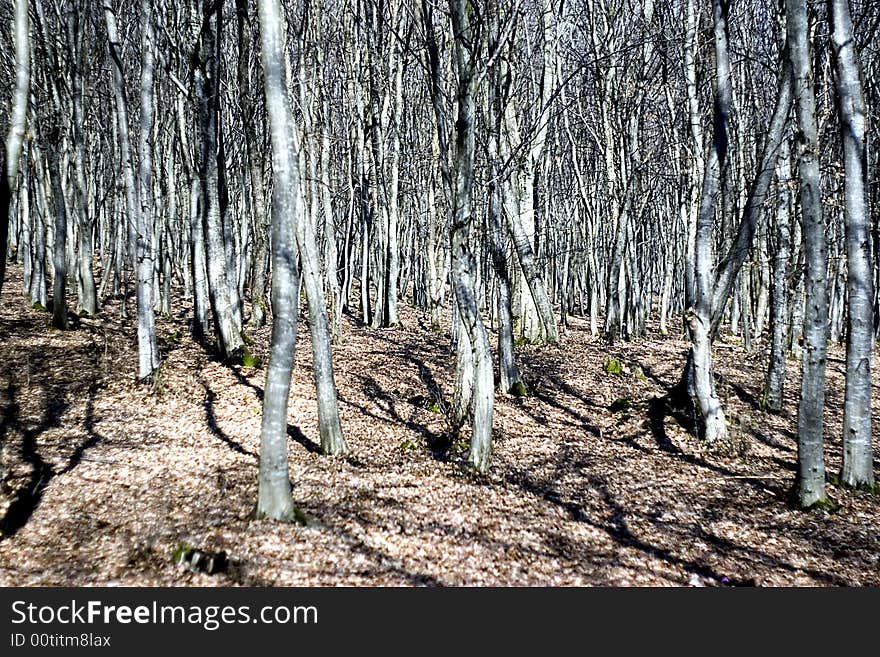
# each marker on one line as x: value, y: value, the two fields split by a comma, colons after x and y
x: 463, y: 266
x: 88, y: 302
x: 811, y: 463
x: 274, y: 500
x: 224, y: 299
x: 858, y: 470
x: 774, y: 386
x: 255, y: 170
x: 702, y: 384
x: 11, y: 155
x: 148, y: 351
x: 59, y: 249
x: 332, y: 441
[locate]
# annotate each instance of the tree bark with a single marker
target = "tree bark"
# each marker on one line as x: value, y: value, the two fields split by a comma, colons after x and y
x: 274, y: 498
x: 11, y: 155
x: 148, y: 351
x: 857, y: 470
x: 774, y: 385
x: 811, y: 463
x: 463, y: 265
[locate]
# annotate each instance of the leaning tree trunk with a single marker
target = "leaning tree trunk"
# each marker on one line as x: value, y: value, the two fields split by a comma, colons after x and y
x: 332, y: 441
x: 811, y: 464
x: 274, y: 498
x: 858, y: 464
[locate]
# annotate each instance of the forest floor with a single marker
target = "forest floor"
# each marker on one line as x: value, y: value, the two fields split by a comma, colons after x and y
x: 592, y: 482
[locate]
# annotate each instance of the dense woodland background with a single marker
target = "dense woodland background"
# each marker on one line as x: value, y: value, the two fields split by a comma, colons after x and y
x: 529, y: 291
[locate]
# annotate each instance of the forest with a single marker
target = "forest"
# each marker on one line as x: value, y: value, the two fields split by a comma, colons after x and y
x: 439, y: 293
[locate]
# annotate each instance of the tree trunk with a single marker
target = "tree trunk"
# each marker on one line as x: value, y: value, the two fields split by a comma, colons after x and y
x: 274, y: 499
x: 148, y: 351
x: 11, y: 155
x: 59, y: 249
x: 811, y: 463
x: 224, y: 306
x: 774, y: 386
x: 858, y: 470
x: 332, y: 441
x: 699, y: 320
x: 463, y: 265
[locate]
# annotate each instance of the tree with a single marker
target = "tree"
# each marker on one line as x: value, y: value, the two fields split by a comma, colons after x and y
x: 11, y: 155
x: 207, y: 70
x: 147, y: 349
x: 811, y: 463
x: 858, y: 462
x: 275, y: 501
x: 712, y: 284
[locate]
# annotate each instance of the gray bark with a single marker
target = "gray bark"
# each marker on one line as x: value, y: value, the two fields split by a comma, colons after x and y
x: 463, y: 266
x: 59, y: 248
x: 702, y: 382
x: 223, y: 295
x: 811, y: 463
x: 274, y: 499
x: 148, y: 351
x: 255, y: 170
x: 11, y: 155
x: 332, y: 441
x: 88, y: 301
x: 775, y: 383
x: 857, y: 468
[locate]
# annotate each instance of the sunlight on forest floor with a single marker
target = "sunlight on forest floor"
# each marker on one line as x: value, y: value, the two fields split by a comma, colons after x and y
x: 591, y: 483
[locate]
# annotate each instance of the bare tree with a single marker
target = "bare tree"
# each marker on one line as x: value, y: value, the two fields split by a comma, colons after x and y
x: 11, y: 156
x: 811, y: 463
x: 275, y: 501
x: 858, y: 462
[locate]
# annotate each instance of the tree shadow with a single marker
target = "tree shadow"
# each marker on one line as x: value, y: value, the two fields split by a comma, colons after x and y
x: 28, y: 496
x: 388, y: 403
x: 296, y: 434
x: 293, y: 431
x: 214, y: 428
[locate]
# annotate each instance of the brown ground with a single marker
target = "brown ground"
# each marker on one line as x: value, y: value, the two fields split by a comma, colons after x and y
x: 102, y: 478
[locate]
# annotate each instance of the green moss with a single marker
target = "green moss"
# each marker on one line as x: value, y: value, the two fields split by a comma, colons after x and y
x: 244, y: 357
x: 173, y: 337
x: 248, y: 340
x: 183, y: 552
x: 408, y: 445
x: 821, y: 505
x: 434, y: 407
x: 639, y: 374
x: 39, y: 307
x: 794, y: 501
x: 859, y: 488
x: 300, y: 518
x: 613, y: 366
x: 250, y: 360
x: 518, y: 389
x: 620, y: 405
